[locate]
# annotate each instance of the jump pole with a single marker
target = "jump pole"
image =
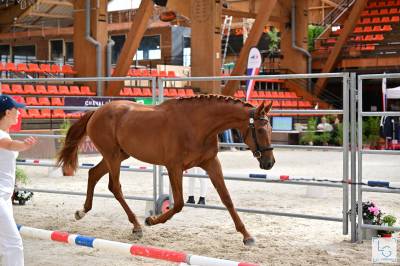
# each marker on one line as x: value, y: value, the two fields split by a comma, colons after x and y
x: 126, y: 249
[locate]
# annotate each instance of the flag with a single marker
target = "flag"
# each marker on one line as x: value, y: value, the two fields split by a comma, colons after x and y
x: 384, y: 94
x: 253, y: 68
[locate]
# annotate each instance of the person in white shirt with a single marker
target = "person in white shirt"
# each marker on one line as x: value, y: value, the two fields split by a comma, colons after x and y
x: 324, y: 125
x: 11, y: 248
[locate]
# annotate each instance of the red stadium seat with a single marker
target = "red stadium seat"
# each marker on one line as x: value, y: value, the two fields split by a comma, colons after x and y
x: 11, y: 67
x: 22, y: 67
x: 34, y: 68
x: 55, y: 69
x: 173, y: 92
x: 86, y: 91
x: 31, y: 101
x: 34, y: 113
x: 146, y: 92
x: 181, y: 92
x: 44, y: 101
x: 46, y: 113
x: 52, y: 90
x: 29, y: 89
x: 63, y: 90
x: 58, y: 113
x: 67, y: 69
x: 45, y: 68
x: 17, y: 89
x: 5, y: 89
x: 23, y: 113
x: 189, y: 92
x: 57, y: 101
x: 137, y: 92
x: 41, y: 89
x: 126, y: 92
x: 74, y: 90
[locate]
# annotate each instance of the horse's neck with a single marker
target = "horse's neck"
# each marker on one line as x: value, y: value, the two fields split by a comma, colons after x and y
x: 219, y: 117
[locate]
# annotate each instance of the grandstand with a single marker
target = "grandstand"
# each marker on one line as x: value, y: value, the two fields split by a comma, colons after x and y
x: 45, y: 40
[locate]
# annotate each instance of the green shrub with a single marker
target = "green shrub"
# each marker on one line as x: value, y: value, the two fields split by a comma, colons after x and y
x: 21, y: 176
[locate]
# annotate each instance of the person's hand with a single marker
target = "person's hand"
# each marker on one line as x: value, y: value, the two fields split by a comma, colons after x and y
x: 29, y: 142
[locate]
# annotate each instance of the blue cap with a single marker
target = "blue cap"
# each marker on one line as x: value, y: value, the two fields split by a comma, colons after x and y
x: 6, y: 103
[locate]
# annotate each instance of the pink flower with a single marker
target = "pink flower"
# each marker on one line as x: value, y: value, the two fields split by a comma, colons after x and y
x: 374, y: 210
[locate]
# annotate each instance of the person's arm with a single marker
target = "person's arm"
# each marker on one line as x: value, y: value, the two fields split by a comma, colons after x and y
x: 17, y: 145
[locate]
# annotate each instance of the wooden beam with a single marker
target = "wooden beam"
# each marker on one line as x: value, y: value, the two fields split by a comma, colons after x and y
x: 47, y: 15
x: 333, y: 57
x: 132, y: 42
x: 11, y: 15
x: 264, y: 12
x: 238, y: 13
x: 58, y: 3
x: 330, y: 3
x: 244, y: 14
x: 38, y: 33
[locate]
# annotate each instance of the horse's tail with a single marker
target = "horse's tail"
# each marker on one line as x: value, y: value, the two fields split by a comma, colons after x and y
x: 68, y: 156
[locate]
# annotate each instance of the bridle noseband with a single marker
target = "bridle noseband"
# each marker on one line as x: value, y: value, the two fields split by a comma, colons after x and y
x: 259, y: 150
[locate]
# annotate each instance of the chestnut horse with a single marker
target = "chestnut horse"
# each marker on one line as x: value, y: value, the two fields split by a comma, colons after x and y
x: 179, y: 133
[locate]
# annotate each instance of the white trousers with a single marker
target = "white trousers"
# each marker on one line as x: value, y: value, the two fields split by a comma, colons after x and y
x: 197, y: 171
x: 10, y: 240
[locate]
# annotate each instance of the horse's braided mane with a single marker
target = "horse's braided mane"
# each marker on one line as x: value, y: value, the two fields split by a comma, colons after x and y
x: 217, y: 97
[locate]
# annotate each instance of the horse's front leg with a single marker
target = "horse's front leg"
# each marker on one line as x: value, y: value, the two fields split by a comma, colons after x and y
x: 214, y: 171
x: 175, y: 179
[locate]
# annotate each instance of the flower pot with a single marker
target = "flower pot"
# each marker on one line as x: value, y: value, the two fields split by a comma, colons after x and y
x: 386, y: 235
x: 368, y: 234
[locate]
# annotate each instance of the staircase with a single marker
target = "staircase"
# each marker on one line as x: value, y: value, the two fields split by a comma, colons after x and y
x: 226, y: 27
x: 375, y: 37
x: 337, y: 13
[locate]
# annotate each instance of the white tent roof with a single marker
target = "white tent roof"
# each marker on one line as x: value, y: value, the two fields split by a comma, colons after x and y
x: 393, y: 93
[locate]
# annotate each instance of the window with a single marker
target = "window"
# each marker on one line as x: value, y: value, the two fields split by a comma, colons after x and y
x: 23, y: 54
x: 69, y: 46
x: 119, y: 41
x: 4, y: 53
x: 57, y: 51
x: 149, y: 48
x: 186, y: 51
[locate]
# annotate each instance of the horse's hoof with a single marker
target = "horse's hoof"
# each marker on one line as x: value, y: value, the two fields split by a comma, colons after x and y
x: 79, y: 215
x: 249, y: 241
x: 149, y: 221
x: 137, y: 233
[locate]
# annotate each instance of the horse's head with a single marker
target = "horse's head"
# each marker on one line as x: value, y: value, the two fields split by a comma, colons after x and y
x: 258, y: 136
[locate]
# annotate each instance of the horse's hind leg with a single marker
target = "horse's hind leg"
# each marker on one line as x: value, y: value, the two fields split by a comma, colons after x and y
x: 95, y: 173
x: 214, y: 171
x: 114, y: 185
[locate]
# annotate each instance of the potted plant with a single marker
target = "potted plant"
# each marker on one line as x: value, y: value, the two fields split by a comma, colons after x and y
x: 324, y: 138
x: 387, y: 220
x: 309, y: 136
x: 21, y: 196
x: 371, y: 214
x: 274, y: 41
x: 314, y: 32
x: 371, y: 127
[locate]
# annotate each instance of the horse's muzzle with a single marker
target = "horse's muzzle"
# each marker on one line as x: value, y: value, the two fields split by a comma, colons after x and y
x: 267, y: 164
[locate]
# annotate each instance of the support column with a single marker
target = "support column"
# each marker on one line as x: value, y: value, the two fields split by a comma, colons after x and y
x: 84, y: 51
x: 295, y: 60
x: 206, y: 43
x: 263, y: 15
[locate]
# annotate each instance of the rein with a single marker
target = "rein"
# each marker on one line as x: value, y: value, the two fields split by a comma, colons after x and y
x: 258, y: 152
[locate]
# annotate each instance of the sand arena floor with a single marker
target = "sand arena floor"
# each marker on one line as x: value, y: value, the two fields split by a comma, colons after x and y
x: 280, y: 240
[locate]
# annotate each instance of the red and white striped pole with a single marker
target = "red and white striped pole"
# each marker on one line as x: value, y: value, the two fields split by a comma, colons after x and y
x: 127, y: 249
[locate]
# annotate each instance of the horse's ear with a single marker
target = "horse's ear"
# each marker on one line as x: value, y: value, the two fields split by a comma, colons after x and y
x: 260, y: 111
x: 268, y: 107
